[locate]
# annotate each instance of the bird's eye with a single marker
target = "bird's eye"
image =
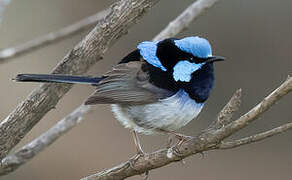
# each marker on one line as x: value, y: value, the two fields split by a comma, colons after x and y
x: 191, y: 59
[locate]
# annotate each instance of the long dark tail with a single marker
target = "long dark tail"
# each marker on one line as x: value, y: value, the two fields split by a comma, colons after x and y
x: 54, y: 78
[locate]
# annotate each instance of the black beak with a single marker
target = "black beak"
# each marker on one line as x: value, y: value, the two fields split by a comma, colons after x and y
x: 215, y: 58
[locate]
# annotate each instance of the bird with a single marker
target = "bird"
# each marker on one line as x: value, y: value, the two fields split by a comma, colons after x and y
x: 156, y: 89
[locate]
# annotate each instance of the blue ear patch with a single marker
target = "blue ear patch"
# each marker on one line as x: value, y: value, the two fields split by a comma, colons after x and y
x: 183, y: 70
x: 199, y: 47
x: 148, y: 52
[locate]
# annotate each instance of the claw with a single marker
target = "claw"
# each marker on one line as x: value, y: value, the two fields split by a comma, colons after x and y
x: 202, y: 155
x: 133, y: 160
x: 146, y: 175
x: 183, y: 162
x: 176, y: 151
x: 170, y: 141
x: 182, y: 138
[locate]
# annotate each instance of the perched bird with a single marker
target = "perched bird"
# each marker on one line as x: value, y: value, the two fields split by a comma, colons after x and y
x: 158, y: 88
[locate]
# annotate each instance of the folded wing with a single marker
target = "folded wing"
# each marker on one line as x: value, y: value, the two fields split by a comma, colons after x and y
x: 127, y: 83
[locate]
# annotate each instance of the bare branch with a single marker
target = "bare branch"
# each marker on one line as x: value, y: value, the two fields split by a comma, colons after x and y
x: 207, y: 140
x: 30, y: 150
x: 258, y: 110
x: 6, y: 54
x: 255, y: 138
x: 185, y: 19
x: 123, y: 14
x: 225, y: 115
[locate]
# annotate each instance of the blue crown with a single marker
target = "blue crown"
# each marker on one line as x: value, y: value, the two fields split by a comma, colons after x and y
x: 199, y: 47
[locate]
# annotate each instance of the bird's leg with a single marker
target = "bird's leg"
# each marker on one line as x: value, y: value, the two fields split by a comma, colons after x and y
x: 170, y: 141
x: 139, y: 150
x: 140, y: 153
x: 137, y: 143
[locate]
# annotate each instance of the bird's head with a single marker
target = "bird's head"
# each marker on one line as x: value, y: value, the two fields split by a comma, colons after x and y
x: 182, y: 57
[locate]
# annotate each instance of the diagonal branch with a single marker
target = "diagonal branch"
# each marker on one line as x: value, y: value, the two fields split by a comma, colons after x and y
x: 207, y: 140
x: 258, y: 110
x: 123, y: 14
x: 185, y: 19
x: 255, y: 138
x: 14, y: 160
x: 39, y: 42
x: 225, y: 115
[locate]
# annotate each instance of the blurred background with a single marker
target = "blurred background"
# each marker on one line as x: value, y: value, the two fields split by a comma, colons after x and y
x: 254, y: 36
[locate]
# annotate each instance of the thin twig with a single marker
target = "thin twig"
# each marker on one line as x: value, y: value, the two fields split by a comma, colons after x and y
x: 207, y: 140
x: 10, y: 164
x: 185, y: 19
x: 258, y: 110
x: 12, y: 52
x: 225, y: 115
x: 255, y: 138
x: 30, y: 150
x: 123, y: 14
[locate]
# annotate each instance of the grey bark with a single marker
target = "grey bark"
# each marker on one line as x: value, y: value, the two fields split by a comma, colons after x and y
x: 12, y: 52
x: 255, y: 138
x: 12, y: 161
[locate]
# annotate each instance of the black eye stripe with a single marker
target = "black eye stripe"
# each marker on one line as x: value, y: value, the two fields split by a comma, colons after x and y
x: 196, y: 59
x: 200, y: 60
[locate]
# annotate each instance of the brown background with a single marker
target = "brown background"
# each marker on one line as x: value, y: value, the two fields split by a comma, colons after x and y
x: 254, y: 36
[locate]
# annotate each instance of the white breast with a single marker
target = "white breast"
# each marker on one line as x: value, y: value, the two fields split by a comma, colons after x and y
x: 168, y: 114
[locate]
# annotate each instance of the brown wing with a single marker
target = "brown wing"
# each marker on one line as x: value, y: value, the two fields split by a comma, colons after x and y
x: 127, y: 83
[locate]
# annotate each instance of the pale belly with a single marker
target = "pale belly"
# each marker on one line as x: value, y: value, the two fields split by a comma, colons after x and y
x: 168, y: 114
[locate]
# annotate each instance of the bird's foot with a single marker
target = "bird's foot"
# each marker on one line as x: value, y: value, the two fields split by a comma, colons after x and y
x: 175, y: 150
x: 134, y: 159
x: 145, y: 175
x: 170, y: 141
x: 181, y: 139
x: 202, y: 155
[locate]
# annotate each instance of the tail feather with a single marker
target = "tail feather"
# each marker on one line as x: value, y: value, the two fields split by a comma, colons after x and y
x: 54, y: 78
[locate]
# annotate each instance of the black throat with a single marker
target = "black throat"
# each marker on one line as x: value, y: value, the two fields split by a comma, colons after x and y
x: 198, y: 88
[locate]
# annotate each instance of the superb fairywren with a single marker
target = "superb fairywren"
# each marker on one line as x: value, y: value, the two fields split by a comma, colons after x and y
x: 158, y: 88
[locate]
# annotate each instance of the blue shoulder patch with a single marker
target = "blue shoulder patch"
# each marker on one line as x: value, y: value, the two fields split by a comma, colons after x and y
x: 148, y: 52
x: 183, y: 70
x: 197, y: 46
